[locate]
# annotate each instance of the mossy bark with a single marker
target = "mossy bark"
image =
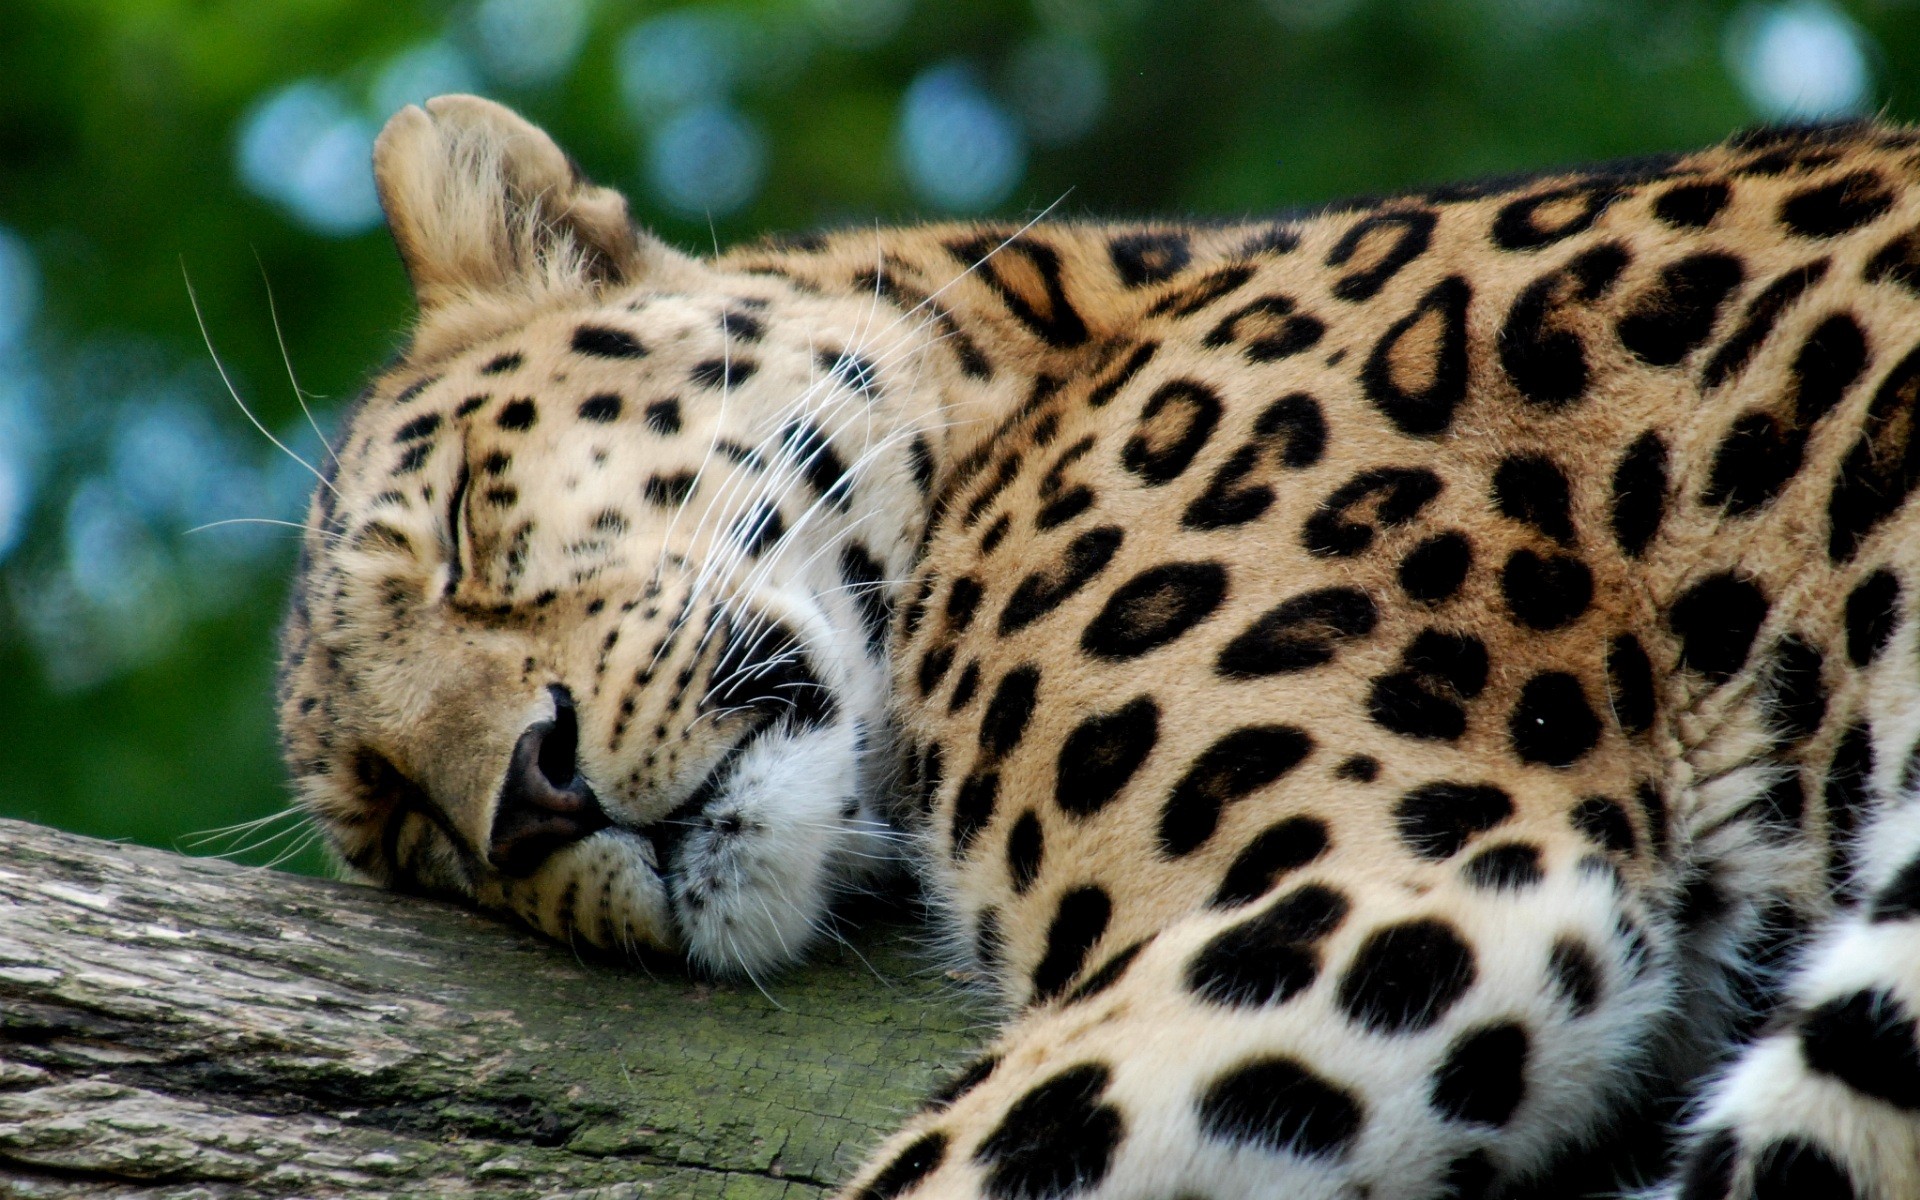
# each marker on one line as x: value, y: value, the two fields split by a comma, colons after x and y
x: 177, y: 1027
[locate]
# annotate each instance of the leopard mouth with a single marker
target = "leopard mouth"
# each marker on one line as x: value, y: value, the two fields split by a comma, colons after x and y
x: 668, y: 833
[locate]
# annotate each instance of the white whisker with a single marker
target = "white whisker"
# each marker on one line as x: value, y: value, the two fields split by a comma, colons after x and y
x: 273, y: 313
x: 327, y: 533
x: 194, y: 300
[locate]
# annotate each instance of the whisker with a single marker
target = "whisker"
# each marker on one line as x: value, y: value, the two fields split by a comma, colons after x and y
x: 338, y: 537
x: 733, y: 948
x: 273, y: 313
x: 194, y: 300
x: 294, y: 851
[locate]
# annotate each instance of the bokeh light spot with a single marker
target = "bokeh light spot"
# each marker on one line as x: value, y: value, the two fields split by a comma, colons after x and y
x: 960, y: 149
x: 677, y: 60
x: 707, y: 161
x: 111, y: 556
x: 1059, y: 87
x: 304, y: 149
x: 23, y: 438
x: 1802, y: 60
x: 19, y: 289
x: 525, y: 43
x: 416, y: 75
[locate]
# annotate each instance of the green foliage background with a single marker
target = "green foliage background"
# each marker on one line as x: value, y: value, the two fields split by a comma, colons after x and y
x: 118, y: 128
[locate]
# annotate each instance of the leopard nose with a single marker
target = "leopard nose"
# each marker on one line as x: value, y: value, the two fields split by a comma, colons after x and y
x: 544, y: 803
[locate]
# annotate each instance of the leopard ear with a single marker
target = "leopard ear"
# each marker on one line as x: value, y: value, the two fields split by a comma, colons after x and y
x: 484, y: 205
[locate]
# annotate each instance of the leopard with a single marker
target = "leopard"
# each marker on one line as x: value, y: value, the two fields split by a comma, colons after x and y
x: 1378, y: 695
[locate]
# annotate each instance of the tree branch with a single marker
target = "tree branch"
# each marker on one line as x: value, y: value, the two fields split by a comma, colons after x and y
x: 174, y: 1027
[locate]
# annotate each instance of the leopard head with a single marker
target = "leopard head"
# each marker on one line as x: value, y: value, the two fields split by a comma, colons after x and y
x: 589, y: 621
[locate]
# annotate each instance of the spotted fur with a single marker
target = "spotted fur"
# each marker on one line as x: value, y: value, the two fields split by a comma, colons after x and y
x: 1381, y: 696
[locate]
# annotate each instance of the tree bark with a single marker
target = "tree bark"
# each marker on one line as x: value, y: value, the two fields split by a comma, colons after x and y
x: 178, y: 1027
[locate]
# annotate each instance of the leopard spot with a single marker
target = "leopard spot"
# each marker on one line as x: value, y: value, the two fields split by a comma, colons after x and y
x: 1155, y: 608
x: 1104, y: 391
x: 1275, y: 851
x: 1532, y: 222
x: 1436, y: 820
x: 1605, y: 823
x: 601, y: 409
x: 973, y: 807
x: 1406, y: 976
x: 866, y: 583
x: 1575, y: 974
x: 670, y: 491
x: 1872, y: 612
x: 1026, y: 846
x: 1433, y: 571
x: 1141, y: 259
x: 1830, y: 209
x: 1106, y: 974
x: 1376, y: 248
x: 1058, y: 1138
x: 1009, y: 712
x: 1338, y: 529
x: 760, y: 529
x: 1552, y: 722
x: 1359, y: 768
x: 1868, y: 1041
x: 1793, y: 1167
x: 1897, y: 262
x: 1417, y: 373
x: 1716, y: 620
x: 1483, y: 1078
x: 1794, y: 692
x: 933, y: 667
x: 1026, y: 274
x: 1270, y: 957
x: 1298, y: 634
x: 1753, y: 464
x: 1510, y: 867
x: 600, y: 341
x: 1691, y: 205
x: 1630, y: 683
x: 1102, y: 754
x: 1540, y: 345
x: 663, y: 417
x: 1669, y: 320
x: 1236, y: 765
x: 1546, y: 593
x: 726, y: 372
x: 1533, y: 490
x: 1425, y: 698
x: 1882, y: 468
x: 965, y: 687
x: 1040, y: 592
x: 1846, y: 798
x: 1078, y: 923
x: 1280, y: 1105
x: 517, y: 415
x: 1174, y: 424
x: 1761, y: 316
x: 420, y: 427
x: 921, y: 1158
x: 1268, y: 329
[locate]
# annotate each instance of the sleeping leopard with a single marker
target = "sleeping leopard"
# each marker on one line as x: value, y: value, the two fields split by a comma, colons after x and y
x: 1378, y: 694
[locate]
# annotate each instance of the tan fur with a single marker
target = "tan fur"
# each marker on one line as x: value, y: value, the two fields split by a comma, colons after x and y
x: 1093, y: 472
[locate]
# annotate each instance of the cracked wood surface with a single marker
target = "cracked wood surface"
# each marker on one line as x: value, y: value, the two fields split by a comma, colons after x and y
x: 178, y: 1027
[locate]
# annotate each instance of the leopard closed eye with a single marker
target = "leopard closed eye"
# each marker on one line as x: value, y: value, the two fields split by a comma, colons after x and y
x: 1378, y: 694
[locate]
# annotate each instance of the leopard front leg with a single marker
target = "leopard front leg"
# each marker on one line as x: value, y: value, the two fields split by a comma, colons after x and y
x: 1827, y: 1102
x: 1326, y: 1040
